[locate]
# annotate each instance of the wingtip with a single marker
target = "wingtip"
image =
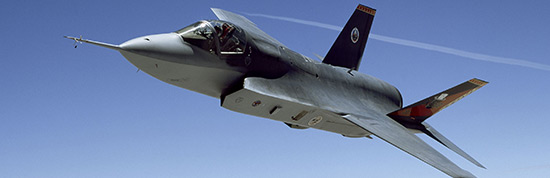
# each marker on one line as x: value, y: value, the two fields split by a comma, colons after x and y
x: 478, y: 81
x: 477, y: 163
x: 481, y: 166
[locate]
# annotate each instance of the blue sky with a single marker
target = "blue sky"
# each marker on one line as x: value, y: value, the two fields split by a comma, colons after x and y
x: 86, y: 112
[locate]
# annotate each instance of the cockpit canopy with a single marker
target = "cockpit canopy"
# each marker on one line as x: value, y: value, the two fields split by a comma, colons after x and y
x: 217, y: 37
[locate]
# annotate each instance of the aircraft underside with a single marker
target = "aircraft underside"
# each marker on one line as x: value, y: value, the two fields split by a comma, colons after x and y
x: 295, y: 115
x: 206, y: 80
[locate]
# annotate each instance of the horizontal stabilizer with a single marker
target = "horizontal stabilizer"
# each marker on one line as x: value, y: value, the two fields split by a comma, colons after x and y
x: 422, y: 110
x: 413, y: 116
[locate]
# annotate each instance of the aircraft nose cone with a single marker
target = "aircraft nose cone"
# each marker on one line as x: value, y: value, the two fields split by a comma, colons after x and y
x: 137, y: 44
x: 167, y: 44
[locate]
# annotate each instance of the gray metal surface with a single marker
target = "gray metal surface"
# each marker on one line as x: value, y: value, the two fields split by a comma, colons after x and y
x: 451, y: 145
x: 344, y: 103
x: 392, y: 132
x: 359, y: 98
x: 264, y: 78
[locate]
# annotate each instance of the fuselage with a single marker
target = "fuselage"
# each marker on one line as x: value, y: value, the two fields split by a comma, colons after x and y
x: 214, y: 57
x: 252, y: 73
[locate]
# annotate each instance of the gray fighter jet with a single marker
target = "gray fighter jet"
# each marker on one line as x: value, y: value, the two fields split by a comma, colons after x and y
x: 252, y: 73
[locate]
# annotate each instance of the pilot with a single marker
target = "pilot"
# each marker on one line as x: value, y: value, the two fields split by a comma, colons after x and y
x: 226, y: 33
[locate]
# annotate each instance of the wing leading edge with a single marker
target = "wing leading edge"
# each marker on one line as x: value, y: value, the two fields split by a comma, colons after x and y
x: 392, y: 132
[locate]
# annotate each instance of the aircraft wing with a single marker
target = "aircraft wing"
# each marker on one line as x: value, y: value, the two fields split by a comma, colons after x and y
x: 300, y: 96
x: 247, y: 25
x: 392, y: 132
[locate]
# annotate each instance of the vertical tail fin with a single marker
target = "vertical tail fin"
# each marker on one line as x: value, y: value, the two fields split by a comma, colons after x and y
x: 348, y: 48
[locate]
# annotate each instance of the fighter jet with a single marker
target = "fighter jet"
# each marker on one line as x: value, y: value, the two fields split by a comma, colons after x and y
x: 253, y: 73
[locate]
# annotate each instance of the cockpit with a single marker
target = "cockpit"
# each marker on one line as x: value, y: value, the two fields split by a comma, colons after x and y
x: 217, y: 37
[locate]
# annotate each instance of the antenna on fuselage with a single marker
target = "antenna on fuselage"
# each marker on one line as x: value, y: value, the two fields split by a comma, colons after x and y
x: 351, y: 70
